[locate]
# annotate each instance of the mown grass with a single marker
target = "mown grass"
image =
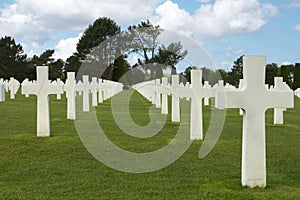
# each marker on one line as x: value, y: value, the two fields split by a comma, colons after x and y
x: 59, y: 167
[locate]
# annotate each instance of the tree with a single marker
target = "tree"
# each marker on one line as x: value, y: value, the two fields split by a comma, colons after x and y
x: 236, y: 72
x: 120, y: 67
x: 187, y: 73
x: 287, y: 72
x: 55, y: 66
x: 13, y: 61
x: 170, y: 55
x: 223, y: 74
x: 296, y: 83
x: 271, y: 72
x: 143, y: 41
x: 101, y: 30
x: 56, y: 70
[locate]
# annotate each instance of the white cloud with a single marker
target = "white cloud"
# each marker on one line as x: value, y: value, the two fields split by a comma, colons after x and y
x: 170, y: 16
x: 217, y: 18
x: 297, y: 27
x: 66, y: 47
x: 39, y: 21
x: 286, y: 63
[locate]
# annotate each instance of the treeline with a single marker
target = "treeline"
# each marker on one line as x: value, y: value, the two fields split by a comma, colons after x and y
x: 111, y: 48
x: 290, y: 74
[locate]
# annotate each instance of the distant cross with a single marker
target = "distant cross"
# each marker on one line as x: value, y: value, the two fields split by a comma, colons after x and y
x: 164, y: 95
x: 278, y: 112
x: 175, y: 99
x: 13, y: 86
x: 2, y: 90
x: 196, y: 92
x: 94, y: 91
x: 79, y: 87
x: 59, y: 82
x: 100, y: 91
x: 157, y: 94
x: 86, y: 93
x: 42, y: 89
x: 106, y: 91
x: 70, y: 88
x: 206, y: 86
x: 255, y: 99
x: 297, y: 92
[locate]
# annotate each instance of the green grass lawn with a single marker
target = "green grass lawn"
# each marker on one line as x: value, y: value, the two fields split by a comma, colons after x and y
x: 59, y: 167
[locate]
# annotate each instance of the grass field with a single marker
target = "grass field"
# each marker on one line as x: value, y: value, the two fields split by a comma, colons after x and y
x: 59, y: 167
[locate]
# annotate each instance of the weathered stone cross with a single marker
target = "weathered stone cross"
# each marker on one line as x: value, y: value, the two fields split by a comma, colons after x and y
x: 254, y: 99
x: 42, y: 88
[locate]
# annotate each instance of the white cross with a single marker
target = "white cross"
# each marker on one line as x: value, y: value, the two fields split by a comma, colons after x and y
x: 70, y: 88
x: 297, y: 92
x: 94, y: 91
x: 42, y: 89
x: 86, y: 93
x: 255, y: 99
x: 196, y: 92
x: 100, y: 91
x: 13, y: 86
x: 206, y: 86
x: 157, y: 95
x: 79, y: 87
x: 164, y: 91
x: 59, y: 82
x: 106, y: 90
x: 278, y: 112
x: 2, y: 90
x: 175, y: 99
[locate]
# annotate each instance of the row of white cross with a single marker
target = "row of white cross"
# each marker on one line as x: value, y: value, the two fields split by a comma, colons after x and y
x: 11, y: 85
x: 100, y: 89
x: 253, y: 97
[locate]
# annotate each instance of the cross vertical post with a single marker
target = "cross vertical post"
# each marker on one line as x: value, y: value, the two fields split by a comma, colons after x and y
x: 164, y: 97
x: 196, y: 92
x: 175, y: 99
x: 86, y: 93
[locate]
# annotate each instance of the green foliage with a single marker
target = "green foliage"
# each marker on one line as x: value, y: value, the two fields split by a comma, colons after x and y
x: 13, y: 61
x: 236, y: 72
x: 56, y: 67
x: 271, y: 72
x: 101, y: 30
x: 144, y: 42
x: 287, y: 72
x: 296, y: 83
x: 187, y: 73
x: 120, y: 67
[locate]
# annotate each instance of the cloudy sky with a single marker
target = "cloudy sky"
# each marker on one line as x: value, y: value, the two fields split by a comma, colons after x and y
x: 226, y: 29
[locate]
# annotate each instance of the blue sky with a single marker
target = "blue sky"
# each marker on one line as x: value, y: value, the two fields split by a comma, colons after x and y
x: 226, y: 29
